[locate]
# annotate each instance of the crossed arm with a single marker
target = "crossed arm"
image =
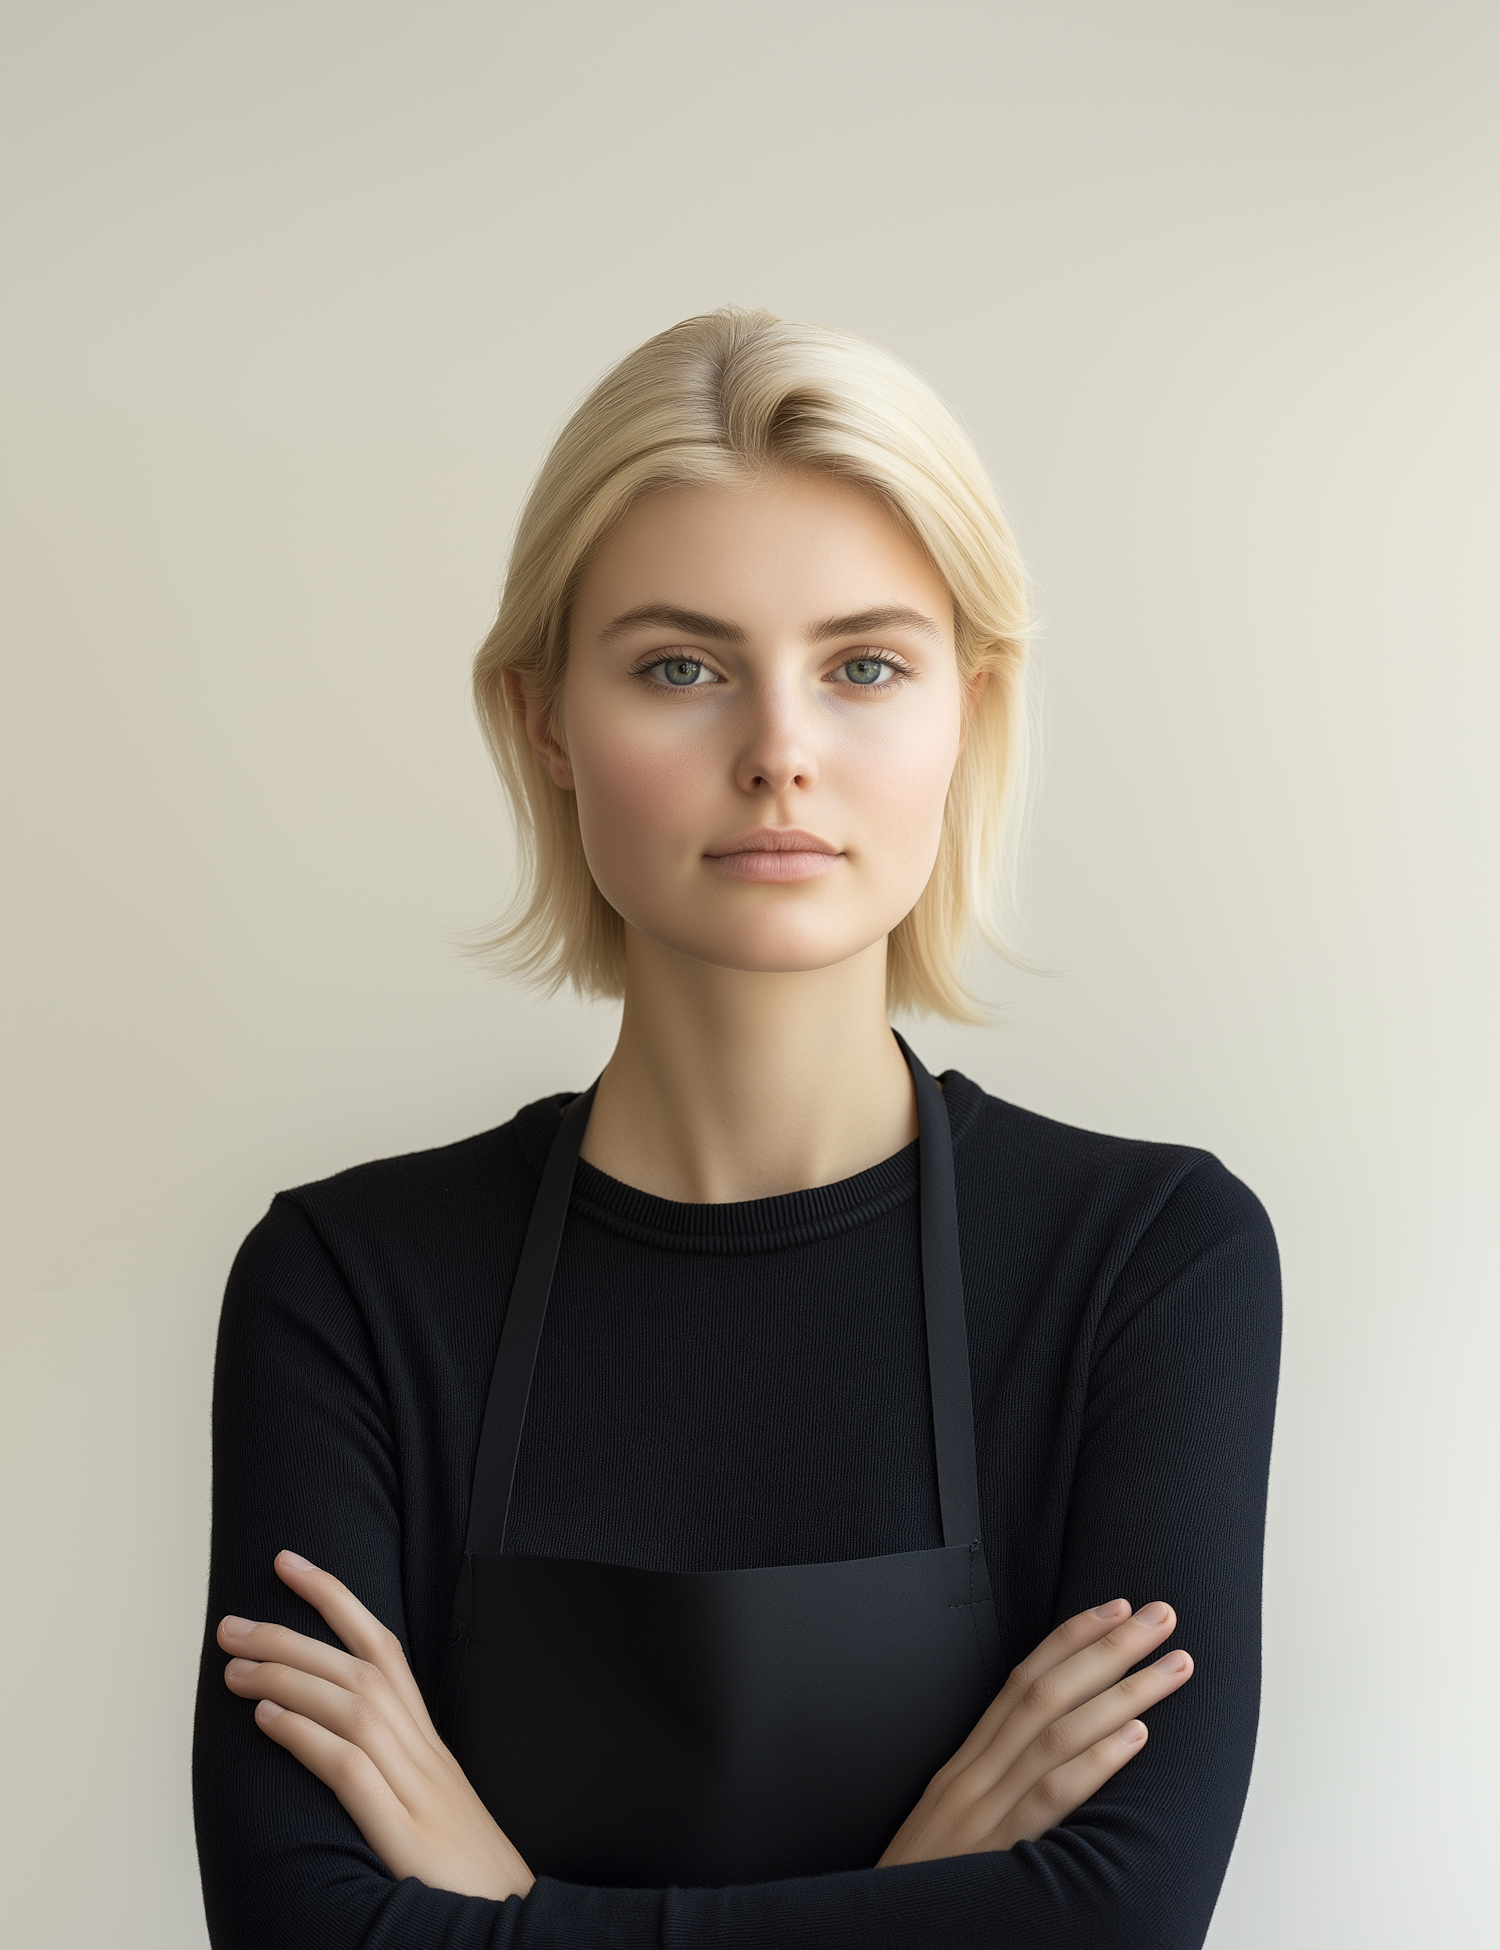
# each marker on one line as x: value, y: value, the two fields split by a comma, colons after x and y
x: 1062, y: 1725
x: 1166, y: 1490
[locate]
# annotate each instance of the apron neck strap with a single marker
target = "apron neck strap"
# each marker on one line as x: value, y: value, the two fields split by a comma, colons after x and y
x: 943, y: 1303
x: 515, y: 1360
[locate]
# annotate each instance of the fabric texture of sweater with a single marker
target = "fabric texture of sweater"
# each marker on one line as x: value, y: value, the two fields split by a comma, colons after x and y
x: 745, y: 1385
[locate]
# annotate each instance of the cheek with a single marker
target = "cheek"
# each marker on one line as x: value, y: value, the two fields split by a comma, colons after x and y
x: 899, y: 785
x: 637, y: 793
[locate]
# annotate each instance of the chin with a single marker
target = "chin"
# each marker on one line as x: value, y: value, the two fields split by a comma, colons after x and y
x: 764, y: 951
x: 761, y: 937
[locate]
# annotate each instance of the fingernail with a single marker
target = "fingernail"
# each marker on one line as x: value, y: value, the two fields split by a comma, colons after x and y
x: 1174, y: 1662
x: 236, y: 1628
x: 290, y: 1557
x: 239, y: 1667
x: 1134, y: 1734
x: 1156, y: 1614
x: 1116, y: 1608
x: 268, y: 1710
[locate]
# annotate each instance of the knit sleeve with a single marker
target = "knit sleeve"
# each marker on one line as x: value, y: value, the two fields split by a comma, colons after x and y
x: 1167, y: 1500
x: 302, y: 1459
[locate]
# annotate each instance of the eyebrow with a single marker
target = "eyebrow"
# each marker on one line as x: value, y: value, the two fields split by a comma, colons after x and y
x: 694, y: 622
x: 691, y: 622
x: 893, y: 616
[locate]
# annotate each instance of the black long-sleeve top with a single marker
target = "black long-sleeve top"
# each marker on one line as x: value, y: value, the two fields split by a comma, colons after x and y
x: 744, y: 1385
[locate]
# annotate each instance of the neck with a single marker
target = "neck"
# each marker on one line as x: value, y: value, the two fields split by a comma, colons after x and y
x: 731, y: 1084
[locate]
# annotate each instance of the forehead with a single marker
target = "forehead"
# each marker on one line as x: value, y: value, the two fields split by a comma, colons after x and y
x: 783, y: 548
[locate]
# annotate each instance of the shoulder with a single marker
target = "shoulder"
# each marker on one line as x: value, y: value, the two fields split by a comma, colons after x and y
x: 380, y: 1225
x: 499, y: 1166
x: 507, y: 1158
x: 1052, y: 1158
x: 1108, y: 1205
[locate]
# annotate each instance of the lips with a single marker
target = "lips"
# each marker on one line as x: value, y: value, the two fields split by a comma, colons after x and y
x: 778, y: 853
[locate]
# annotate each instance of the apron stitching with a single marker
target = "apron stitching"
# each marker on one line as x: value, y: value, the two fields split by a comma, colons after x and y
x: 460, y: 1651
x: 458, y: 1684
x: 458, y: 1648
x: 984, y: 1664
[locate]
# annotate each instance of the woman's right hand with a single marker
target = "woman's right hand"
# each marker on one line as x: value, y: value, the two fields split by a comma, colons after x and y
x: 1063, y: 1723
x: 356, y: 1719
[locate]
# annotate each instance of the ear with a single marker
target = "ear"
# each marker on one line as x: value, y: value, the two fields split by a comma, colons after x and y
x: 537, y: 719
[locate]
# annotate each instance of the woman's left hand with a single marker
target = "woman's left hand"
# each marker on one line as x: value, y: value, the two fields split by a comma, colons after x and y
x: 357, y: 1721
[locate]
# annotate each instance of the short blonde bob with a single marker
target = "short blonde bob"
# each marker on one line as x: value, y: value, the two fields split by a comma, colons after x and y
x: 718, y: 399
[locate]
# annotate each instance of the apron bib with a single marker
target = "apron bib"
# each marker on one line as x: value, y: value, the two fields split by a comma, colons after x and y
x: 638, y: 1729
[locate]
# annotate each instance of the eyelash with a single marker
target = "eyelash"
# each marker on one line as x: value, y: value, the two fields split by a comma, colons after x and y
x: 900, y: 670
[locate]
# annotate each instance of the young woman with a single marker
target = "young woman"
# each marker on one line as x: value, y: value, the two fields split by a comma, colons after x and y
x: 639, y: 1507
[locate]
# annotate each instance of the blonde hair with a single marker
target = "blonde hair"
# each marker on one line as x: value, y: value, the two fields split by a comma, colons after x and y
x: 714, y: 400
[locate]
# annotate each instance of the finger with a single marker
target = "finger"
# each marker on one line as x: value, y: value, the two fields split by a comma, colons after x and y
x: 1053, y: 1693
x: 1085, y: 1628
x: 1072, y: 1636
x: 1062, y: 1792
x: 1064, y: 1739
x: 1101, y: 1659
x: 244, y: 1639
x: 363, y: 1791
x: 278, y: 1645
x: 356, y: 1626
x: 396, y: 1747
x: 1054, y: 1680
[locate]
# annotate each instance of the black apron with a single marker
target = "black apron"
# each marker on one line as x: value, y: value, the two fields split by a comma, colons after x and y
x: 638, y: 1728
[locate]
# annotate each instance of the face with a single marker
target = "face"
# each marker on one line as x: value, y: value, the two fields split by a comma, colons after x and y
x: 760, y: 718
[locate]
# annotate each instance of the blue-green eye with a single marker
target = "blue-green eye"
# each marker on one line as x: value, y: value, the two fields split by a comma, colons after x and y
x: 865, y: 670
x: 681, y: 670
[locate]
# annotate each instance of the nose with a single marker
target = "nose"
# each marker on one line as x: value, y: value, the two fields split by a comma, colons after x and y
x: 778, y: 753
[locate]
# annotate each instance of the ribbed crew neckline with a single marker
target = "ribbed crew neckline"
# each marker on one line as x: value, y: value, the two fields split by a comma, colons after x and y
x: 756, y: 1225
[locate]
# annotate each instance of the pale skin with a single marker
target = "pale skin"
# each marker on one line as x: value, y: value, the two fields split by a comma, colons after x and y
x: 760, y: 717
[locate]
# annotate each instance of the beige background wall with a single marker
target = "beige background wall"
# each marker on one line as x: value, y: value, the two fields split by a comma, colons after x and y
x: 297, y: 294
